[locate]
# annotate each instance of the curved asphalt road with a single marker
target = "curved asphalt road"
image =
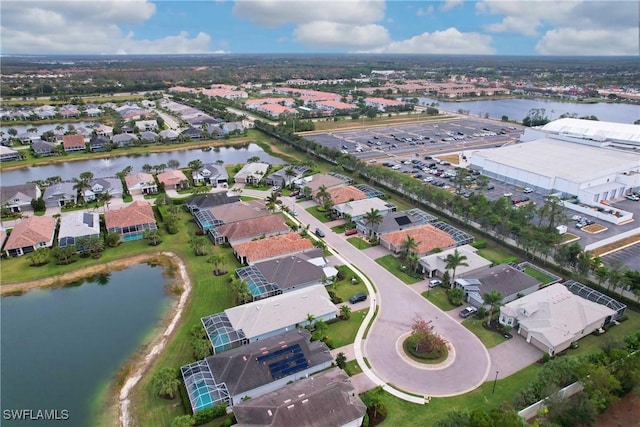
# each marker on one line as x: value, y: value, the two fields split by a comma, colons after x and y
x: 399, y: 304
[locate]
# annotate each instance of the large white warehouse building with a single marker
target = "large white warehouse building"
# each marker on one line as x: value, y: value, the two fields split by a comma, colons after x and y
x: 572, y: 166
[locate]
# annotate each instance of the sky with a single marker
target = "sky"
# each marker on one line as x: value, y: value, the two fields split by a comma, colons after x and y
x: 485, y: 27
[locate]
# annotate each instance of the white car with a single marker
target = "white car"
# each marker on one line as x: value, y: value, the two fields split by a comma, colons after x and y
x: 507, y: 194
x: 576, y: 218
x: 632, y: 197
x: 527, y: 190
x: 435, y: 283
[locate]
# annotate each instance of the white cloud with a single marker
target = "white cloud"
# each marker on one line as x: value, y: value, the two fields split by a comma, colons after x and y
x: 450, y: 4
x: 274, y: 13
x: 87, y: 27
x: 570, y: 41
x: 449, y: 41
x: 426, y: 11
x: 332, y: 34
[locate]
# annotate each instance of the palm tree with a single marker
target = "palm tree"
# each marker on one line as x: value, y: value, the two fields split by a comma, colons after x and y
x: 147, y: 168
x: 494, y: 300
x: 453, y: 261
x: 165, y: 382
x: 373, y: 218
x: 198, y: 244
x: 173, y: 164
x: 413, y: 261
x: 217, y: 260
x: 241, y: 290
x: 288, y: 173
x: 408, y: 245
x: 196, y: 165
x: 153, y: 236
x: 323, y: 195
x: 345, y: 312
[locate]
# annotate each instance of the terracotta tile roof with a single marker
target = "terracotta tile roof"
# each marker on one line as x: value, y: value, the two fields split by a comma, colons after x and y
x: 31, y: 231
x: 427, y: 236
x: 72, y: 141
x: 139, y: 178
x: 3, y: 235
x: 254, y: 227
x: 172, y: 177
x: 135, y: 214
x: 272, y: 247
x: 240, y: 211
x: 345, y: 194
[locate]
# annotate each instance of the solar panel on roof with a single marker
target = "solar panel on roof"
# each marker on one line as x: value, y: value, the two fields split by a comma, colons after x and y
x: 87, y: 218
x: 403, y: 220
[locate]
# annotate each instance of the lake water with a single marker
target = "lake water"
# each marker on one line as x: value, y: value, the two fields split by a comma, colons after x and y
x: 518, y: 109
x: 111, y: 166
x: 60, y: 347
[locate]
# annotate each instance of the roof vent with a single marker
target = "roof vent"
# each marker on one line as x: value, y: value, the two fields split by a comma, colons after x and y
x: 269, y: 412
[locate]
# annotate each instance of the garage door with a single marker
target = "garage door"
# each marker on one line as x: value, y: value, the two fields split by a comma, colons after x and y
x: 538, y: 344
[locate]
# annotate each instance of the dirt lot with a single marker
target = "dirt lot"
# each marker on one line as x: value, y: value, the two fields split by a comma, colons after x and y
x: 619, y: 244
x: 624, y: 413
x: 594, y: 228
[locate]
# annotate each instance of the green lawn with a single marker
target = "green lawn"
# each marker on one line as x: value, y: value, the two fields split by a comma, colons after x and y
x: 339, y: 229
x: 402, y: 413
x: 359, y: 243
x: 592, y: 343
x: 352, y: 368
x: 543, y: 278
x: 345, y: 289
x: 394, y: 266
x: 343, y: 332
x: 438, y: 296
x: 320, y: 216
x: 488, y: 338
x: 496, y: 254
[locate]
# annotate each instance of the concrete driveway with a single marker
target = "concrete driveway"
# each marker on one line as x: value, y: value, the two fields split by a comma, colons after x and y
x: 513, y: 355
x: 398, y: 305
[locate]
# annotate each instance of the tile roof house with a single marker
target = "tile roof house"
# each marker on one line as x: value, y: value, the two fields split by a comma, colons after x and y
x: 131, y: 221
x: 251, y: 173
x: 240, y: 211
x: 192, y: 133
x: 17, y: 198
x: 210, y: 174
x: 241, y: 231
x: 60, y: 194
x: 254, y: 369
x: 173, y: 179
x: 344, y: 194
x: 169, y: 134
x: 326, y: 399
x: 271, y: 247
x: 99, y: 186
x: 146, y: 125
x: 141, y: 183
x: 44, y: 148
x: 552, y: 318
x: 31, y: 234
x: 434, y: 265
x: 73, y: 143
x: 149, y: 136
x: 314, y: 182
x: 510, y: 282
x: 426, y: 236
x: 76, y: 225
x: 99, y: 143
x: 357, y: 209
x: 104, y: 130
x: 3, y: 237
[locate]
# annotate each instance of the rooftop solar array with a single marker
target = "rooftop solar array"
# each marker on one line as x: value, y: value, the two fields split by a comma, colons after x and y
x: 369, y: 191
x: 259, y: 286
x: 206, y: 220
x: 87, y: 218
x: 425, y: 218
x: 285, y: 361
x: 586, y: 292
x: 459, y: 236
x: 342, y: 177
x: 222, y: 334
x: 202, y: 388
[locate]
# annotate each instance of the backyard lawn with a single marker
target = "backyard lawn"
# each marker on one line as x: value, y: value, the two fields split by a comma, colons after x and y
x: 497, y: 254
x: 439, y: 298
x: 395, y: 266
x: 343, y: 332
x: 320, y: 216
x: 359, y: 243
x: 592, y: 343
x: 543, y: 278
x: 488, y: 338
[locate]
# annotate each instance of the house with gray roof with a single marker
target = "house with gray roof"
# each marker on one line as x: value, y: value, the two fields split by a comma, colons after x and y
x: 254, y: 369
x: 281, y: 178
x: 251, y: 173
x: 149, y: 136
x: 326, y: 399
x: 207, y: 201
x: 192, y: 133
x: 434, y: 265
x: 77, y: 225
x: 17, y: 198
x: 210, y: 174
x: 508, y: 281
x: 99, y: 143
x: 394, y: 221
x: 169, y: 134
x: 124, y: 139
x: 44, y: 148
x: 99, y: 186
x: 60, y: 194
x: 8, y: 154
x: 357, y: 209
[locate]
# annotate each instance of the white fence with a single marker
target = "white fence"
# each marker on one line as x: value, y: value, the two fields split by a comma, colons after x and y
x: 612, y: 239
x: 532, y: 410
x: 622, y: 217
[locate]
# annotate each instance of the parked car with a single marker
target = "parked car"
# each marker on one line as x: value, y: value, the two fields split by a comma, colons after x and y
x: 507, y: 194
x: 527, y: 190
x: 350, y: 232
x: 490, y: 187
x: 435, y: 283
x: 468, y: 311
x: 632, y: 197
x: 319, y: 232
x: 358, y: 298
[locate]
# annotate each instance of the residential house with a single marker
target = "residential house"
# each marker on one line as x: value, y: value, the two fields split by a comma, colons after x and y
x: 314, y: 182
x: 69, y: 112
x: 254, y: 369
x: 169, y: 135
x: 3, y: 237
x: 77, y: 225
x: 275, y: 110
x: 211, y: 174
x: 326, y: 399
x: 73, y: 143
x: 394, y: 221
x: 192, y: 133
x: 281, y: 178
x: 141, y: 183
x: 27, y: 138
x: 131, y: 221
x: 434, y: 265
x: 146, y: 125
x: 334, y: 105
x: 251, y: 173
x: 508, y: 281
x: 31, y: 234
x: 93, y: 111
x: 44, y: 149
x: 553, y: 318
x: 104, y: 130
x: 149, y: 136
x: 343, y: 194
x: 60, y: 194
x: 100, y: 186
x: 357, y: 209
x: 258, y: 320
x: 383, y: 104
x: 17, y: 198
x: 237, y: 127
x: 99, y: 143
x: 226, y: 213
x: 242, y: 231
x: 207, y: 201
x: 173, y: 179
x: 271, y: 247
x: 124, y: 139
x: 8, y: 154
x: 427, y: 238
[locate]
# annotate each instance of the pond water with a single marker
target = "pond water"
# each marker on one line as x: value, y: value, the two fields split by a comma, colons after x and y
x: 109, y: 167
x: 517, y: 109
x: 61, y: 347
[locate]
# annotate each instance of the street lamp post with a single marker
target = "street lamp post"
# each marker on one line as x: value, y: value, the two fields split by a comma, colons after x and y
x: 494, y: 383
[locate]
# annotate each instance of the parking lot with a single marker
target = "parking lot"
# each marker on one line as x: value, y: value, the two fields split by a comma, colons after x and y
x: 432, y: 137
x: 629, y: 257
